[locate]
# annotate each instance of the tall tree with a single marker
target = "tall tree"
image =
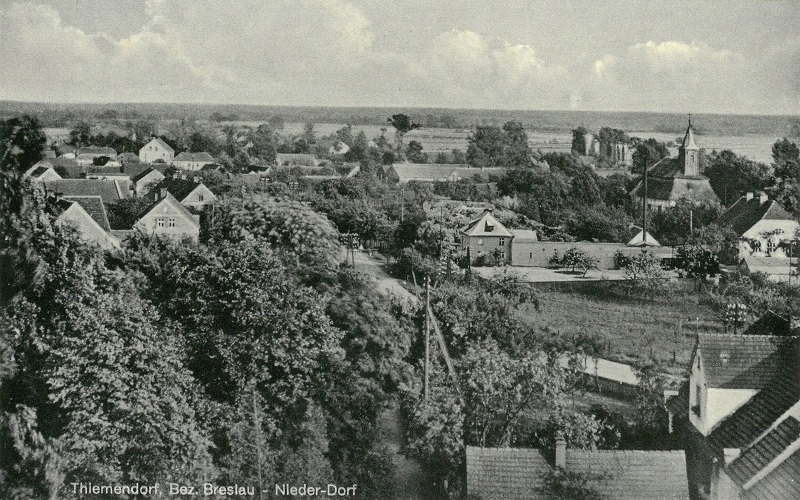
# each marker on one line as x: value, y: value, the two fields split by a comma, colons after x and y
x: 731, y: 176
x: 402, y: 125
x: 647, y: 153
x: 22, y: 142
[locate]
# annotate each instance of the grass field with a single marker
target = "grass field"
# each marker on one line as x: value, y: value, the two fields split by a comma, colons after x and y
x: 664, y: 328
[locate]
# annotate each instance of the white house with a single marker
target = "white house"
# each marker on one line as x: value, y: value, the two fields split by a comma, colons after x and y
x: 155, y: 150
x: 764, y: 227
x: 167, y: 217
x: 192, y: 161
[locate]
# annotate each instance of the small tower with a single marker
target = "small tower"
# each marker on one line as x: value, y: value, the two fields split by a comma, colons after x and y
x: 689, y: 154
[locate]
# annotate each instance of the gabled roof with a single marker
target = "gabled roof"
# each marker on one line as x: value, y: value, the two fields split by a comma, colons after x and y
x: 160, y: 142
x: 508, y: 473
x: 429, y: 171
x: 525, y: 236
x: 144, y: 173
x: 98, y: 151
x: 665, y: 168
x: 179, y: 188
x: 744, y: 214
x: 486, y: 225
x: 763, y: 452
x: 94, y: 207
x: 780, y: 484
x: 757, y: 415
x: 111, y: 191
x: 744, y: 361
x: 172, y: 202
x: 657, y: 189
x: 134, y: 169
x: 38, y: 171
x: 770, y: 323
x: 194, y: 157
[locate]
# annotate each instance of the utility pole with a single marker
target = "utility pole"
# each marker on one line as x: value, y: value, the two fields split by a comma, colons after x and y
x: 427, y: 336
x: 644, y: 209
x: 402, y: 202
x: 691, y: 222
x: 257, y: 426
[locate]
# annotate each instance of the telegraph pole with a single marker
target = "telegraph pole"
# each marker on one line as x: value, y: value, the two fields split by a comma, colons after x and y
x: 427, y: 336
x: 644, y: 209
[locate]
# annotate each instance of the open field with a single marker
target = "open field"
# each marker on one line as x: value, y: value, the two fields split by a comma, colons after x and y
x: 634, y: 330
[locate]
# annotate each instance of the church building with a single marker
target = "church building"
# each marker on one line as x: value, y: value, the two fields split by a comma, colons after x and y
x: 671, y: 179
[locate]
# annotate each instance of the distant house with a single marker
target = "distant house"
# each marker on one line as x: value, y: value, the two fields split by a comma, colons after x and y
x: 189, y: 192
x: 402, y: 173
x: 192, y: 161
x: 338, y: 148
x: 295, y: 160
x: 67, y: 165
x: 88, y: 215
x: 777, y: 270
x: 741, y: 399
x: 127, y: 158
x: 110, y: 191
x: 156, y: 150
x: 672, y: 179
x: 765, y: 228
x: 42, y: 171
x: 145, y: 180
x: 167, y: 217
x: 521, y: 474
x: 88, y: 155
x: 486, y: 237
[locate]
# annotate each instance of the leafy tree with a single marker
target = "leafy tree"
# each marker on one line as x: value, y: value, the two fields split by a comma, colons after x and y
x: 784, y: 151
x: 199, y: 142
x: 732, y: 176
x: 672, y: 227
x: 722, y: 241
x: 648, y: 152
x: 696, y: 261
x: 459, y: 156
x: 22, y: 141
x: 402, y: 125
x: 579, y: 140
x: 415, y: 154
x: 81, y: 134
x: 575, y: 258
x: 518, y: 149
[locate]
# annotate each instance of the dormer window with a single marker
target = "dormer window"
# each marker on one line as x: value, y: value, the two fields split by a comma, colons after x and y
x: 489, y: 227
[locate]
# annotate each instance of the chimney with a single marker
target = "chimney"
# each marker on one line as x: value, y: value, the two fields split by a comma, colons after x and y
x: 762, y: 198
x: 749, y: 195
x: 561, y: 452
x: 197, y: 179
x: 163, y: 193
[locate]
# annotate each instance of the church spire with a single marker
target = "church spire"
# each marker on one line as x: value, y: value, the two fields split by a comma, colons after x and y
x: 689, y: 153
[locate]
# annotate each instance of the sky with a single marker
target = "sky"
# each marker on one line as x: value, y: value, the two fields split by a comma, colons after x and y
x: 738, y: 57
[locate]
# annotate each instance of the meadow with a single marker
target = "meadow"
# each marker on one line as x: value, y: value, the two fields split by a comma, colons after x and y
x: 634, y: 330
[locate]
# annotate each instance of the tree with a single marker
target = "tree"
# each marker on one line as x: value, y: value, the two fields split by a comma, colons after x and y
x: 647, y: 153
x: 81, y: 135
x: 784, y: 151
x: 672, y: 227
x: 402, y: 125
x: 732, y: 176
x: 308, y: 133
x: 345, y: 135
x: 486, y: 147
x: 696, y: 261
x: 459, y: 156
x: 415, y: 154
x: 579, y: 140
x: 518, y: 149
x: 22, y: 141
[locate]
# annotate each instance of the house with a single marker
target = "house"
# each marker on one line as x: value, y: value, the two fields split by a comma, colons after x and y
x: 764, y: 227
x: 778, y: 270
x: 514, y: 473
x: 192, y: 161
x: 486, y: 238
x: 167, y: 217
x: 672, y: 179
x: 156, y: 150
x: 88, y: 215
x: 110, y: 191
x: 402, y: 173
x: 740, y: 390
x: 127, y: 158
x: 189, y: 192
x: 88, y: 155
x: 771, y: 323
x: 295, y: 160
x: 338, y: 148
x: 42, y: 171
x: 144, y: 181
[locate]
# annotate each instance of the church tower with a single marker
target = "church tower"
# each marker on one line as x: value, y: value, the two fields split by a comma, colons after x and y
x: 689, y: 154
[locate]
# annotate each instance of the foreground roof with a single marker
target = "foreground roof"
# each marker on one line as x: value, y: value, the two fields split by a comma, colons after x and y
x: 94, y: 207
x: 509, y: 473
x: 780, y: 484
x: 179, y: 188
x: 762, y: 453
x: 744, y: 214
x: 745, y: 361
x: 111, y: 191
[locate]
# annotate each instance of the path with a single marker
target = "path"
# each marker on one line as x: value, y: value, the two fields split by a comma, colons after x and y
x: 409, y: 477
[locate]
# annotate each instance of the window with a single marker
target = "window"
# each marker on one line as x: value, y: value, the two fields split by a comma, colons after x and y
x: 502, y: 255
x: 696, y: 407
x: 771, y: 246
x: 502, y: 242
x: 160, y: 222
x: 171, y: 222
x: 200, y: 197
